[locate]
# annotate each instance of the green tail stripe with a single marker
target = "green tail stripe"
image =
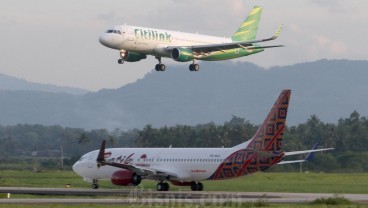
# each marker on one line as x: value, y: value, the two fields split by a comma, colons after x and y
x: 248, y: 29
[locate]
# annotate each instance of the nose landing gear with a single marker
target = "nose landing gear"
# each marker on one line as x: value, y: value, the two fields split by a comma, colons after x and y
x: 95, y: 184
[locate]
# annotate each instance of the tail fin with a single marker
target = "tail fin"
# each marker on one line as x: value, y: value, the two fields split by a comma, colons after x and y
x: 269, y: 136
x: 248, y: 29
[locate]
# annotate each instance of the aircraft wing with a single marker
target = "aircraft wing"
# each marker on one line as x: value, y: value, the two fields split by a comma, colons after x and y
x: 307, y: 158
x: 248, y: 45
x: 144, y: 171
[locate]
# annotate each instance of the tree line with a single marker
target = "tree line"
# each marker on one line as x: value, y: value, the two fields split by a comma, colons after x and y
x: 349, y: 137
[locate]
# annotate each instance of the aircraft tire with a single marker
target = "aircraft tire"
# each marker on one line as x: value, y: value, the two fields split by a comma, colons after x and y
x: 166, y: 186
x: 120, y: 61
x: 136, y: 179
x: 196, y: 186
x: 200, y: 187
x: 191, y: 67
x: 195, y: 67
x: 160, y: 187
x: 162, y: 67
x: 94, y: 186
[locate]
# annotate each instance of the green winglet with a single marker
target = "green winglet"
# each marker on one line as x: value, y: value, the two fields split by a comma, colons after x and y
x: 278, y: 32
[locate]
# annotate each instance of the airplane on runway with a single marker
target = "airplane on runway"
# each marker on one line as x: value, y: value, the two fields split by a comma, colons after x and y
x: 190, y: 166
x: 135, y: 43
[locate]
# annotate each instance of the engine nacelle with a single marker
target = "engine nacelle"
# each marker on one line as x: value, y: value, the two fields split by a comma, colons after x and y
x: 130, y: 56
x: 182, y: 54
x: 122, y: 178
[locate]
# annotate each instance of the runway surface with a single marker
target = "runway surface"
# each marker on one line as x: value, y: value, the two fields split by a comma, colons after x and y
x: 136, y: 196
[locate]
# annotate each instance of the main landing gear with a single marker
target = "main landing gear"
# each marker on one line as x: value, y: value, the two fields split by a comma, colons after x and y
x: 196, y: 186
x: 162, y: 186
x: 120, y: 61
x: 194, y: 67
x: 95, y: 184
x: 160, y: 66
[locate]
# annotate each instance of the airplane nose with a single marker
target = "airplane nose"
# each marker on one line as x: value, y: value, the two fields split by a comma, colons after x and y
x: 102, y: 39
x: 76, y: 168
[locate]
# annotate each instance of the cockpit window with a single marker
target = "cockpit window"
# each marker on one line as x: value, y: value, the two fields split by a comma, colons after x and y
x: 114, y: 31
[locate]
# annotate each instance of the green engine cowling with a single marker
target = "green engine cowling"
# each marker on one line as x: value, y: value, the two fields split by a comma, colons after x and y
x: 182, y: 54
x: 130, y: 56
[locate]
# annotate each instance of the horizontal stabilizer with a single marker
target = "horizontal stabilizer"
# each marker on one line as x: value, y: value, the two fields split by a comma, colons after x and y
x: 306, y: 151
x: 307, y: 158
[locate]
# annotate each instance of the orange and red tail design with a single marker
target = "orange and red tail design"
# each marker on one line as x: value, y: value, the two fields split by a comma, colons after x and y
x: 269, y: 135
x: 263, y: 151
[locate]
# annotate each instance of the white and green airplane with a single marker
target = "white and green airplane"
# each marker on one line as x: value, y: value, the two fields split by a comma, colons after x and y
x: 135, y: 43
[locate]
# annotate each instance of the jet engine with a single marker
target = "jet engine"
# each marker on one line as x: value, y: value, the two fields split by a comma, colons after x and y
x: 182, y: 54
x: 125, y: 178
x: 130, y: 56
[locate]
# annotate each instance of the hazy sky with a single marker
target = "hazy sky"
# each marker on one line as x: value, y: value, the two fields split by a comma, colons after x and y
x: 56, y: 41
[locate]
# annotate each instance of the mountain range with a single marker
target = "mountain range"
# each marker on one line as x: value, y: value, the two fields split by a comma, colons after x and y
x: 330, y: 89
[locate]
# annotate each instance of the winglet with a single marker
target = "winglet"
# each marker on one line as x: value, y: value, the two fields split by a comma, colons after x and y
x: 101, y: 153
x: 277, y: 33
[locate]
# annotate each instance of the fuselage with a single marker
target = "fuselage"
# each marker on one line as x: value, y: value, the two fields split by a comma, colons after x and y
x: 187, y: 164
x: 190, y: 164
x: 155, y: 42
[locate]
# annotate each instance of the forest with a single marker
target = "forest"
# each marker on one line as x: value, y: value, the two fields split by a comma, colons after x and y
x: 37, y: 147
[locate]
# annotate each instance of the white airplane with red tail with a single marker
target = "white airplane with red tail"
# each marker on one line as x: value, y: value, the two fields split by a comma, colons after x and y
x: 190, y: 166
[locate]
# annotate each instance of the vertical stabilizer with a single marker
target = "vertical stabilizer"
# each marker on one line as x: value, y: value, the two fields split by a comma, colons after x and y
x: 248, y: 29
x: 269, y: 135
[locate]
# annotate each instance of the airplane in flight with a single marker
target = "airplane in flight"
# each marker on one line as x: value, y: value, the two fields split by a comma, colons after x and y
x: 135, y: 43
x: 190, y: 166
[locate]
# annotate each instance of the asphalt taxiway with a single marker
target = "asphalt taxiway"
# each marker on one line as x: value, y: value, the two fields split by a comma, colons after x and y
x: 136, y: 196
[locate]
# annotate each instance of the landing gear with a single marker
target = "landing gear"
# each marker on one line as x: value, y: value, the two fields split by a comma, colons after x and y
x: 120, y: 61
x: 196, y: 186
x: 194, y: 67
x: 160, y: 66
x: 162, y: 186
x: 95, y: 184
x: 136, y: 179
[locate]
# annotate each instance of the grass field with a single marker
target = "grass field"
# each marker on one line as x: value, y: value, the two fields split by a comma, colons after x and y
x: 260, y: 182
